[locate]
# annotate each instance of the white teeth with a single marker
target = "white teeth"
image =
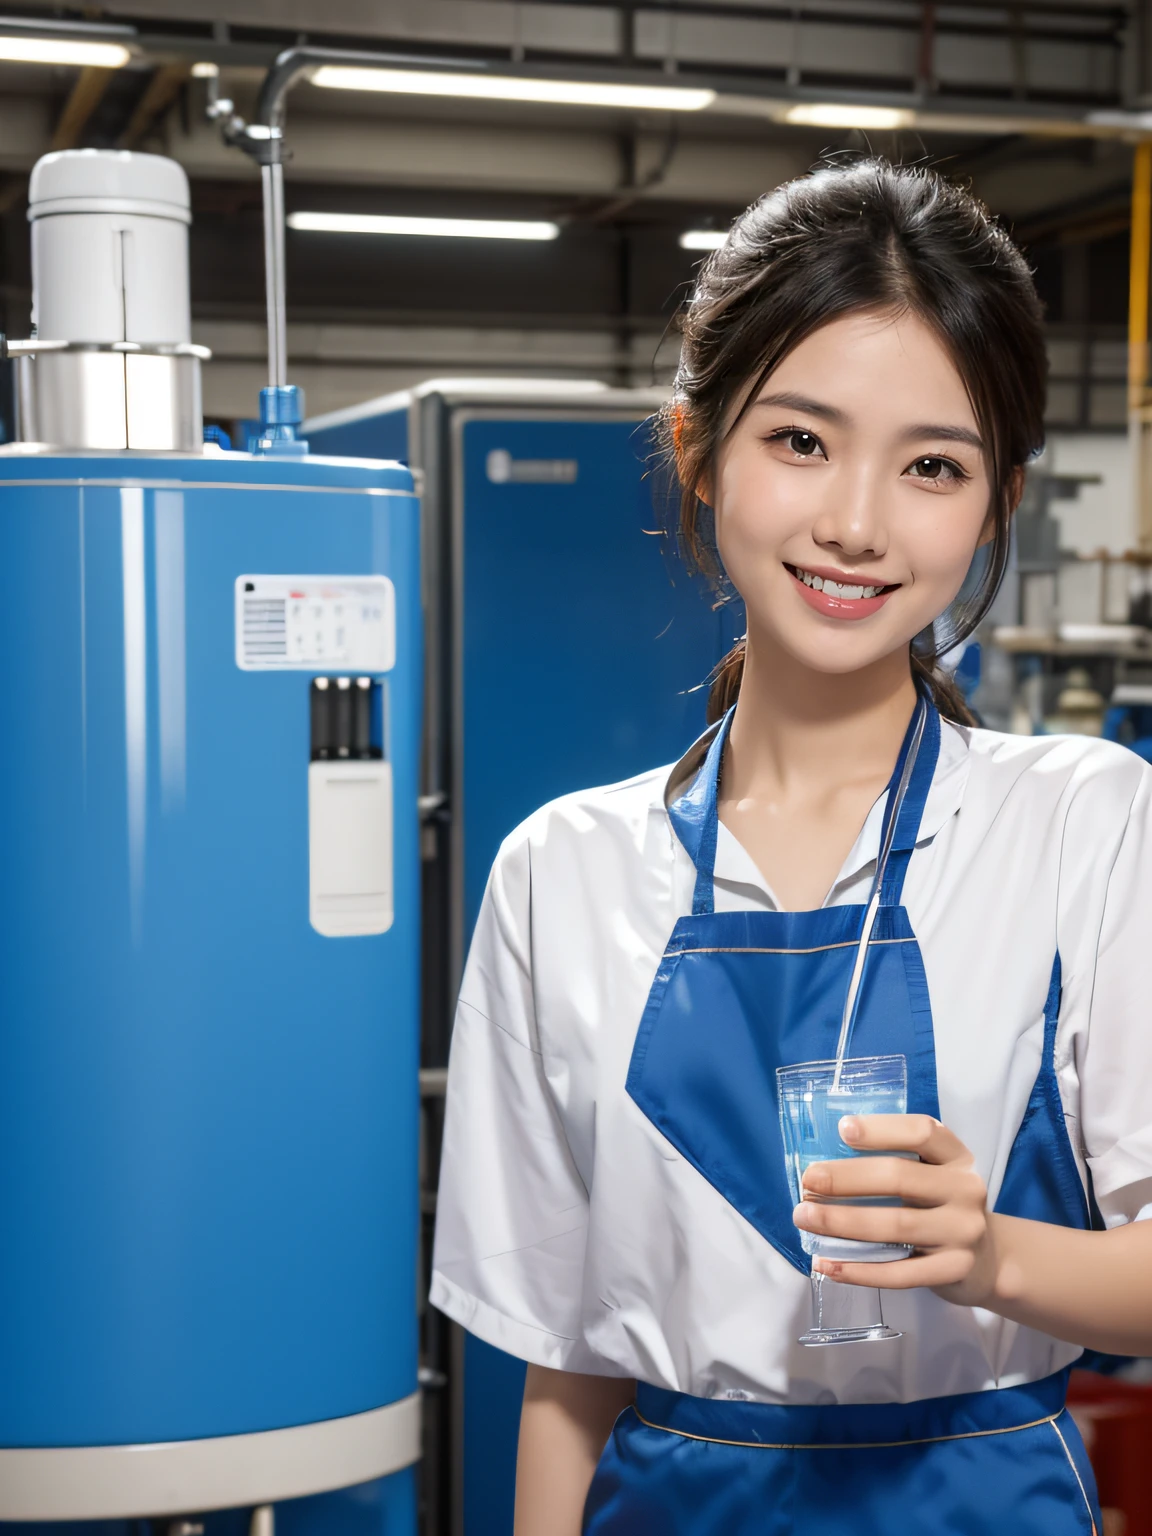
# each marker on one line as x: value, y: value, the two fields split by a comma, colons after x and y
x: 842, y: 590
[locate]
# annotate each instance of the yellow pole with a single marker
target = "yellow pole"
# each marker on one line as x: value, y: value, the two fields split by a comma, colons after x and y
x: 1141, y: 249
x: 1138, y: 425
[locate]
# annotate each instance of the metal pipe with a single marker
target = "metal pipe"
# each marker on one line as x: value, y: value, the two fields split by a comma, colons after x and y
x: 265, y: 141
x: 293, y: 62
x: 275, y: 278
x: 263, y: 1521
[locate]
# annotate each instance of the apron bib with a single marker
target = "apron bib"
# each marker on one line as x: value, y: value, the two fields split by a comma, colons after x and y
x: 737, y: 995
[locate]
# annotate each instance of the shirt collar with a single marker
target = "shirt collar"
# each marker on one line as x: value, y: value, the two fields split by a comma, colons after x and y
x: 733, y: 862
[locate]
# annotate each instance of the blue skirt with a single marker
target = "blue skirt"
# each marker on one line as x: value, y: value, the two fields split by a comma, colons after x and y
x: 1002, y: 1463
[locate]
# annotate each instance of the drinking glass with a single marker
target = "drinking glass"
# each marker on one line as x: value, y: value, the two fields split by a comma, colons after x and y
x: 814, y: 1096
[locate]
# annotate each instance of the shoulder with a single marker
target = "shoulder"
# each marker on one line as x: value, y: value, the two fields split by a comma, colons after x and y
x: 1055, y: 776
x: 581, y: 877
x: 1061, y: 760
x: 608, y: 821
x: 584, y: 839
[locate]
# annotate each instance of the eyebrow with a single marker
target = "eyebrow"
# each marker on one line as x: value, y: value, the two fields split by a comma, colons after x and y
x: 837, y: 417
x: 949, y: 434
x: 794, y: 402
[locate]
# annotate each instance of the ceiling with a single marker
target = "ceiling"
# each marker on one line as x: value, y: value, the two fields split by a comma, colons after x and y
x: 1034, y: 105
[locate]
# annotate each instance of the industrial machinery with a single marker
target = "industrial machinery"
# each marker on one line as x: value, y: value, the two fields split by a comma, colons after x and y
x: 567, y: 647
x: 209, y: 957
x: 1069, y: 631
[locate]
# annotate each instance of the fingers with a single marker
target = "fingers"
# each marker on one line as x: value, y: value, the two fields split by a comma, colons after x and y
x: 895, y: 1177
x: 931, y: 1141
x: 949, y: 1267
x: 933, y: 1202
x: 934, y: 1226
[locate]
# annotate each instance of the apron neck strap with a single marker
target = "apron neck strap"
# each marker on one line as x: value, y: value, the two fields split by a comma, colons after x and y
x: 908, y: 809
x: 695, y: 819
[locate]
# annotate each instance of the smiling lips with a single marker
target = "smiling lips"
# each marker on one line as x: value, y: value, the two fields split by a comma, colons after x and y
x: 837, y: 597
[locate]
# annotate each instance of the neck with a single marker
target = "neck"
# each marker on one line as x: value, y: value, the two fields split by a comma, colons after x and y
x: 797, y: 725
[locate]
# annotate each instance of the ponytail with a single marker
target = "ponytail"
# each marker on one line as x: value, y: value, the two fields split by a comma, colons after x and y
x: 943, y: 690
x: 725, y: 682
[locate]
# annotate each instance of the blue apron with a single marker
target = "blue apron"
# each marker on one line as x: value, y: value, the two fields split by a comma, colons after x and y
x: 736, y: 995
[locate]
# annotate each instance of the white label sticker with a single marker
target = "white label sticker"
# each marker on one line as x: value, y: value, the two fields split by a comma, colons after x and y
x: 315, y: 623
x: 503, y: 469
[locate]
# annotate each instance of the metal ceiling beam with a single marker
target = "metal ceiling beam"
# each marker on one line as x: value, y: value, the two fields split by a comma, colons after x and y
x: 86, y: 95
x: 1092, y: 217
x: 161, y: 91
x: 47, y: 26
x: 1118, y: 13
x: 770, y: 99
x: 1050, y: 49
x: 763, y: 74
x: 1037, y: 20
x: 433, y: 22
x: 557, y: 162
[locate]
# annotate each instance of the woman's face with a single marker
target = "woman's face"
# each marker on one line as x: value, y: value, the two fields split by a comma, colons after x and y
x: 852, y: 493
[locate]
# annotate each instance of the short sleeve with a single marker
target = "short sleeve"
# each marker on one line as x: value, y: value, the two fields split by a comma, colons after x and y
x: 1114, y: 1053
x: 512, y: 1210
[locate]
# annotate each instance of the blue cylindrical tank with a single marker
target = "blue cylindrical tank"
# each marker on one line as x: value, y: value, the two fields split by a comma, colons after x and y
x: 208, y: 1006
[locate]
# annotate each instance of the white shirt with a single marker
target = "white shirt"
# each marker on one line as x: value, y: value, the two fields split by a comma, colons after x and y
x: 571, y: 1232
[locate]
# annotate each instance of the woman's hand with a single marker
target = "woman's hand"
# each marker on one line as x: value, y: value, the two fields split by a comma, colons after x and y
x: 944, y: 1215
x: 1089, y: 1288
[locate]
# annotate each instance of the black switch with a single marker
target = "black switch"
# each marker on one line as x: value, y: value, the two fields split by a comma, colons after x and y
x: 342, y: 717
x: 320, y: 699
x: 346, y: 718
x: 362, y: 718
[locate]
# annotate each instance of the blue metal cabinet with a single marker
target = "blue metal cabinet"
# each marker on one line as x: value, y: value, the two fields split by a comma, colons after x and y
x: 208, y: 1110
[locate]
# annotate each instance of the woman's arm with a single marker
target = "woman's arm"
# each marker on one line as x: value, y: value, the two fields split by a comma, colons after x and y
x: 1089, y: 1288
x: 564, y: 1425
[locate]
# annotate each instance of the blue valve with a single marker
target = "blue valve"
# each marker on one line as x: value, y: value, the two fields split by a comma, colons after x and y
x: 281, y: 412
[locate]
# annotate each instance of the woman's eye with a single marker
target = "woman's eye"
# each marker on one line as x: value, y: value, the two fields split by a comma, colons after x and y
x: 803, y: 444
x: 932, y: 468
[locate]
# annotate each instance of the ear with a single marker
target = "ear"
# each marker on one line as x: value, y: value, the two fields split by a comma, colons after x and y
x: 678, y: 415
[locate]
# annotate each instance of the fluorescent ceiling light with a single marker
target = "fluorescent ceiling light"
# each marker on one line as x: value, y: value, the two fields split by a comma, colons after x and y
x: 842, y: 114
x: 575, y: 93
x: 63, y: 50
x: 703, y: 239
x: 205, y: 70
x: 400, y: 224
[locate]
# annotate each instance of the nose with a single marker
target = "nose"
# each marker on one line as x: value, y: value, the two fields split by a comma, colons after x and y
x: 852, y: 522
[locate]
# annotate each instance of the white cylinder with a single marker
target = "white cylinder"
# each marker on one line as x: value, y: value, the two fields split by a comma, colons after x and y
x: 110, y: 247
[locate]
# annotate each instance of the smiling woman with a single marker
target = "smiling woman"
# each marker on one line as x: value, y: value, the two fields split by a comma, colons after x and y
x: 874, y: 283
x: 845, y: 881
x: 864, y: 505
